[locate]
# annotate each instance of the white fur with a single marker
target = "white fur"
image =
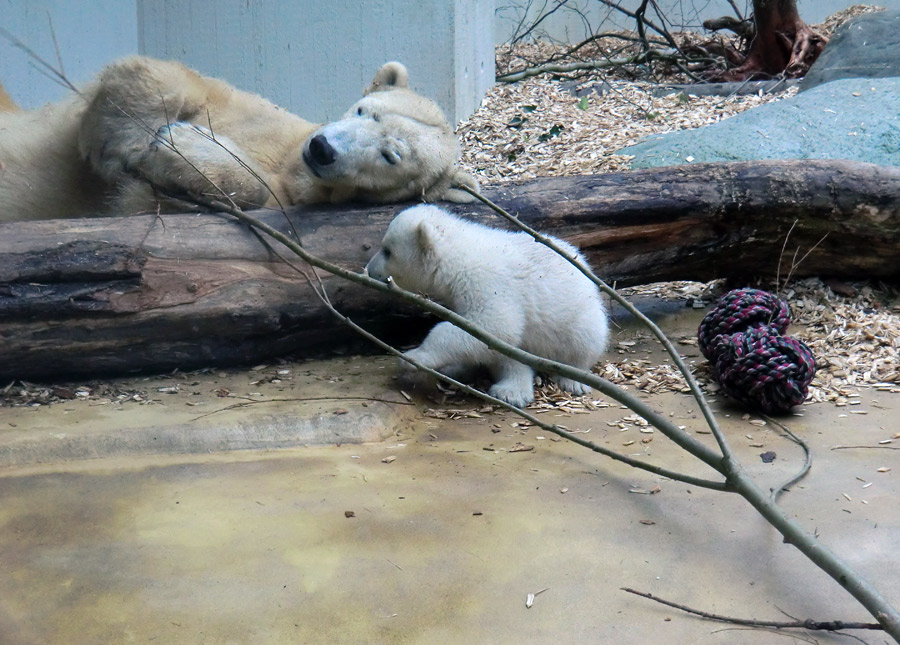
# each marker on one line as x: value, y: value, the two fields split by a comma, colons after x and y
x: 147, y: 122
x: 510, y: 285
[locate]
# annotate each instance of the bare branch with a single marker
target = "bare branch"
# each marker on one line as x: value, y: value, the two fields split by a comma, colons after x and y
x: 736, y: 479
x: 807, y: 464
x: 56, y: 75
x: 638, y: 59
x: 829, y: 625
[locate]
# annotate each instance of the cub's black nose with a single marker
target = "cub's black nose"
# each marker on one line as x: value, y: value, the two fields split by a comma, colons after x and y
x: 321, y: 151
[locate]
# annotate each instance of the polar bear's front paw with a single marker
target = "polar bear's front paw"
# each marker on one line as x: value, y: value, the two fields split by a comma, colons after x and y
x: 513, y: 393
x: 183, y: 145
x: 180, y: 134
x: 572, y: 386
x: 190, y: 158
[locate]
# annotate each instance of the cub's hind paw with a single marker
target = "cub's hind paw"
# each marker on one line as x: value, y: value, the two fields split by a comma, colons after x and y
x: 573, y: 387
x: 512, y: 394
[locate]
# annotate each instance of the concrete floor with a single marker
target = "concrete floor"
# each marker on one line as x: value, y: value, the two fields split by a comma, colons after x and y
x: 144, y: 523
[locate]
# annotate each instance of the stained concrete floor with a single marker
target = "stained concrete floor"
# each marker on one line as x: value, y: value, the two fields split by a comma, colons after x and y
x: 152, y: 523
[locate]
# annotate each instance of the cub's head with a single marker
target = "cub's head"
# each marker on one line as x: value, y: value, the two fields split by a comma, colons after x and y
x: 392, y: 145
x: 409, y: 250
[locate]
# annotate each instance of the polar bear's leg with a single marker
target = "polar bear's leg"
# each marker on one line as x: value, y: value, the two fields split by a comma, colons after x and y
x: 129, y: 127
x: 448, y: 348
x: 514, y: 382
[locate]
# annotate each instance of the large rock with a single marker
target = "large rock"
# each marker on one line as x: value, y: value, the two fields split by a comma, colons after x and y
x: 853, y: 118
x: 867, y: 46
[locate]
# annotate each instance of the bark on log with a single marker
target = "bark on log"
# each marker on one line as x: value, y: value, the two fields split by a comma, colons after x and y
x: 91, y: 297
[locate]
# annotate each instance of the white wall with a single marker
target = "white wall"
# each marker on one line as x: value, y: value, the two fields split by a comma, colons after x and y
x: 316, y: 57
x: 313, y: 57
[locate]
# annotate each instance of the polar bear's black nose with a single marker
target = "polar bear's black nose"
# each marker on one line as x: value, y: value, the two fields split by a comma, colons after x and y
x: 321, y: 151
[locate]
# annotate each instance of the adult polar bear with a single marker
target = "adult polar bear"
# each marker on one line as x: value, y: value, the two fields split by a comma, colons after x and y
x: 147, y: 130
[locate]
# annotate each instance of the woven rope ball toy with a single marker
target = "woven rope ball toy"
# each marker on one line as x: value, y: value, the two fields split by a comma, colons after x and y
x: 752, y: 361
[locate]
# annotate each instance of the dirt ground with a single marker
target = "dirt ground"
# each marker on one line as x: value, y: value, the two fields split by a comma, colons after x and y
x: 336, y: 510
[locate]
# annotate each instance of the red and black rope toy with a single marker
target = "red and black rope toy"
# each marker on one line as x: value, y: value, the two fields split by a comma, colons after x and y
x: 752, y: 361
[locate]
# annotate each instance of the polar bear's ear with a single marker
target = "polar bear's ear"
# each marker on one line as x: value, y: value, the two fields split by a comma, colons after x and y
x: 391, y: 76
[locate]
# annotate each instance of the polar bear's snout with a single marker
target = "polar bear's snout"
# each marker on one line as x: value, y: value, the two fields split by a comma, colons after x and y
x: 321, y: 153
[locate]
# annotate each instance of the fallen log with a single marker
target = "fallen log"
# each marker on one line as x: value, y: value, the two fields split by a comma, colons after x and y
x: 90, y: 297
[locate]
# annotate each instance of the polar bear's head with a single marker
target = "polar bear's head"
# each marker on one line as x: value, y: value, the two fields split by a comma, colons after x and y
x: 410, y: 250
x: 390, y: 146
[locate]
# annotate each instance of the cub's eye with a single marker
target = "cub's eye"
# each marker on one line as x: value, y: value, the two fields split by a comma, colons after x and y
x: 391, y: 157
x: 387, y: 253
x: 359, y: 111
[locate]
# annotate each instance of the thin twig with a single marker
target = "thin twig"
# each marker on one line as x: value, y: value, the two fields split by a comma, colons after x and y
x: 737, y: 11
x: 825, y: 625
x: 781, y: 258
x: 59, y: 60
x: 562, y: 68
x: 56, y: 75
x: 795, y: 263
x: 807, y: 464
x: 614, y: 4
x: 544, y: 15
x: 305, y: 399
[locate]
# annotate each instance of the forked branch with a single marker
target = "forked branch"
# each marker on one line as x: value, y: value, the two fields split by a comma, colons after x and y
x: 723, y: 460
x: 736, y: 479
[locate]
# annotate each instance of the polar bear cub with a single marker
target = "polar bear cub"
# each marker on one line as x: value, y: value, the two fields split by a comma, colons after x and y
x: 508, y: 284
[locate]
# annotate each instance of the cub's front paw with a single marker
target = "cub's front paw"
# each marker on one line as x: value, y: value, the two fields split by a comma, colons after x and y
x: 421, y: 356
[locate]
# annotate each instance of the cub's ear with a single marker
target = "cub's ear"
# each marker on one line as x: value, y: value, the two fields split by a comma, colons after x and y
x: 426, y: 235
x: 391, y: 76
